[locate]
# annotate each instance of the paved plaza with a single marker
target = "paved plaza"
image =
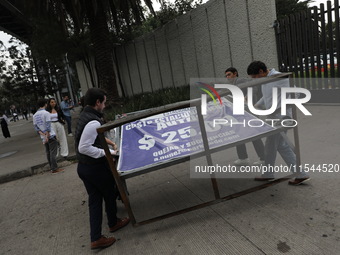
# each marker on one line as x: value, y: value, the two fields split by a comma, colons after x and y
x: 44, y: 213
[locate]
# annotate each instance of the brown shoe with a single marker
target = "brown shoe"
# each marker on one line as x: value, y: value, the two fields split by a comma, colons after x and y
x: 57, y: 171
x: 120, y: 224
x: 298, y: 181
x: 264, y: 179
x: 102, y: 242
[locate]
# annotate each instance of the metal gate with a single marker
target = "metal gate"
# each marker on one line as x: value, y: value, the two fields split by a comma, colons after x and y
x: 308, y: 45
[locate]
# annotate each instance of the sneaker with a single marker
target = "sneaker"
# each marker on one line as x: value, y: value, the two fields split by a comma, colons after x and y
x: 102, y: 242
x: 241, y: 162
x: 57, y: 171
x: 298, y: 181
x: 70, y: 134
x: 258, y: 163
x: 120, y: 224
x: 264, y: 179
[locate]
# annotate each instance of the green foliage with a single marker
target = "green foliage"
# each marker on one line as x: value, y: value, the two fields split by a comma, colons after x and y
x: 287, y: 7
x: 19, y: 86
x: 149, y: 100
x: 168, y: 12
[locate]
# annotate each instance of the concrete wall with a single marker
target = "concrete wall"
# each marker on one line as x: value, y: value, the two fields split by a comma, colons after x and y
x: 202, y: 43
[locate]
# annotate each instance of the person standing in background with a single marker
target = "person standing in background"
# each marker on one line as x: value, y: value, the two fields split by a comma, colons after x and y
x: 24, y: 113
x: 42, y: 124
x: 57, y: 123
x: 66, y: 107
x: 4, y: 125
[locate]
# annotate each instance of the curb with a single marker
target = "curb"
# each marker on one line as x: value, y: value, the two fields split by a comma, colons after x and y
x: 34, y: 170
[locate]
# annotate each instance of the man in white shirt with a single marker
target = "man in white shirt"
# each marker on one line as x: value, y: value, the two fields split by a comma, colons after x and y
x: 42, y: 124
x: 94, y: 170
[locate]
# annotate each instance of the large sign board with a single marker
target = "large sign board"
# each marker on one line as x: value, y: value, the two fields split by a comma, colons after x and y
x: 175, y: 134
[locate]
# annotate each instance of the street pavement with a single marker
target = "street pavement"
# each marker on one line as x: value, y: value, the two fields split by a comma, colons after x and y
x: 44, y: 213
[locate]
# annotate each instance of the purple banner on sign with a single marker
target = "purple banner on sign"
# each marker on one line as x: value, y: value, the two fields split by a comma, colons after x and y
x: 176, y: 134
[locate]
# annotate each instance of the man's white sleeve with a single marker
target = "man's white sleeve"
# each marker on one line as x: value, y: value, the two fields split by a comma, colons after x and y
x: 87, y: 140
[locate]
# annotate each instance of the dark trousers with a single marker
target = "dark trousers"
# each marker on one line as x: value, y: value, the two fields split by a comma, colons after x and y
x: 4, y: 128
x: 51, y: 148
x: 99, y: 184
x: 68, y: 121
x: 259, y: 148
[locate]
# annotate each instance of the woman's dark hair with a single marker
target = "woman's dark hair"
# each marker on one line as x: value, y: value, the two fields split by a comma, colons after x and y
x: 49, y: 108
x: 255, y: 67
x: 94, y: 94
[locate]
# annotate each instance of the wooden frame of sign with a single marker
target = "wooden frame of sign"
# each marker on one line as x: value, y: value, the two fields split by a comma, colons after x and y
x: 121, y: 177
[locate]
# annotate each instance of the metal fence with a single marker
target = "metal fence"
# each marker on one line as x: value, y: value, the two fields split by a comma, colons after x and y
x: 308, y: 43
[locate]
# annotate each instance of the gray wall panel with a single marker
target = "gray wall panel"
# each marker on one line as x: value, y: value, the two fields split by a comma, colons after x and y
x: 219, y: 37
x: 262, y: 35
x: 143, y: 65
x: 133, y: 68
x: 202, y: 42
x: 239, y: 32
x: 175, y: 54
x: 163, y: 54
x: 153, y: 60
x: 124, y: 70
x: 188, y: 47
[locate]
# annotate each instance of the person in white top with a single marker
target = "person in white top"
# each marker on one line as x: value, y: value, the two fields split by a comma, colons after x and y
x: 42, y: 124
x: 57, y: 123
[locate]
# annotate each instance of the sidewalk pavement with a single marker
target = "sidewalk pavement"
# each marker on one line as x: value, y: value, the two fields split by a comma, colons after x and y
x: 48, y: 214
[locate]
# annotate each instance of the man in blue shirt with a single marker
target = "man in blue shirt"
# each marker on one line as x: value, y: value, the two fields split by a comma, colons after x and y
x: 66, y: 107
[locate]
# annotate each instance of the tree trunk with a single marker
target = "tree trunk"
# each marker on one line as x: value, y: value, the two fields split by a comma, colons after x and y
x: 103, y: 50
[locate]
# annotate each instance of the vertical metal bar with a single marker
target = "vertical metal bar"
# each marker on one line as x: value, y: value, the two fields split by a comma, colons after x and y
x: 337, y: 33
x: 330, y: 42
x: 207, y: 150
x: 317, y: 46
x: 324, y: 41
x: 305, y: 47
x: 295, y: 129
x: 299, y: 39
x: 284, y: 45
x: 311, y: 42
x: 302, y: 43
x: 116, y: 176
x: 278, y: 43
x: 294, y: 41
x: 289, y: 44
